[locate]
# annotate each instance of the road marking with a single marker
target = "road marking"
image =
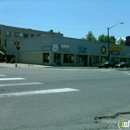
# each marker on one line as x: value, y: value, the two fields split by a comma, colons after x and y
x: 1, y: 79
x: 20, y: 84
x: 30, y: 93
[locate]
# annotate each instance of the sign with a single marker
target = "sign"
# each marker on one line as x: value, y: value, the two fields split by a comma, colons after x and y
x: 103, y: 49
x: 115, y: 52
x: 82, y: 49
x: 55, y: 47
x: 65, y: 47
x: 116, y: 48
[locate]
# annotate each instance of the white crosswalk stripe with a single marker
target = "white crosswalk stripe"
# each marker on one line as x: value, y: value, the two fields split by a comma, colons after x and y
x: 3, y: 79
x: 20, y: 84
x: 29, y: 93
x: 2, y: 75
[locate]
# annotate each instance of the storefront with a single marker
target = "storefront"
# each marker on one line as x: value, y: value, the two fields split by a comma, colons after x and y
x: 52, y: 50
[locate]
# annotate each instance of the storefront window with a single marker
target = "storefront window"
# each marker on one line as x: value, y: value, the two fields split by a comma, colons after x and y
x: 46, y: 57
x: 68, y: 58
x: 94, y: 60
x: 115, y: 60
x: 123, y: 60
x: 103, y: 59
x: 79, y: 59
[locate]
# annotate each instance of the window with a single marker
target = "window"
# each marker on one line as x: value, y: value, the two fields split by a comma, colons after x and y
x: 79, y: 59
x: 8, y: 33
x: 32, y: 35
x: 46, y: 57
x: 68, y: 58
x: 16, y: 34
x: 25, y: 35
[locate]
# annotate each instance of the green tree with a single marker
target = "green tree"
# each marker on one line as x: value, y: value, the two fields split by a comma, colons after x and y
x: 104, y: 38
x: 90, y: 37
x: 121, y: 41
x: 3, y: 48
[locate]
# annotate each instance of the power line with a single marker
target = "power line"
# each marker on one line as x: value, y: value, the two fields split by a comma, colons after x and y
x: 20, y: 6
x: 52, y: 27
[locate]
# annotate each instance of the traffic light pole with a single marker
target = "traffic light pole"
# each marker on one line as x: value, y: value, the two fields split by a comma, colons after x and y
x: 16, y: 58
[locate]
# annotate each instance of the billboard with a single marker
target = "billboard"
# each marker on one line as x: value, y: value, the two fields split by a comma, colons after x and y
x: 128, y: 41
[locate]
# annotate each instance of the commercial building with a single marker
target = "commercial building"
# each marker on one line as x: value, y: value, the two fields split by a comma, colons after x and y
x: 10, y: 33
x: 55, y: 50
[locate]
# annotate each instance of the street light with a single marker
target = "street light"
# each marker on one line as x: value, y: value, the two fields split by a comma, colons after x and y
x: 108, y: 28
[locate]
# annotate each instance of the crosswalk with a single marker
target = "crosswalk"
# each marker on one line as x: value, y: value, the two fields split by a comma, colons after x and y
x: 27, y: 93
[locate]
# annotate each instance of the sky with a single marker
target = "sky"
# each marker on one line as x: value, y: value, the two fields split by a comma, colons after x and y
x: 73, y: 18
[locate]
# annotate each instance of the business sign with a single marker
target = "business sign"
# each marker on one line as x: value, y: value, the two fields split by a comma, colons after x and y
x: 65, y: 47
x: 103, y: 49
x: 128, y: 40
x: 115, y: 52
x: 116, y: 48
x: 82, y: 49
x: 55, y: 47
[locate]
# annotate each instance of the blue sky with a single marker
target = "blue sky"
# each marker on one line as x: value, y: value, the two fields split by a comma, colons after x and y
x: 73, y: 18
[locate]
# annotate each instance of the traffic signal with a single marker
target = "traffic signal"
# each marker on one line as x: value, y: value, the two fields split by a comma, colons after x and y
x: 16, y: 43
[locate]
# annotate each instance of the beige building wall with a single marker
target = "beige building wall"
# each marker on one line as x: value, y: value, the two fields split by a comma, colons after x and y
x: 13, y: 33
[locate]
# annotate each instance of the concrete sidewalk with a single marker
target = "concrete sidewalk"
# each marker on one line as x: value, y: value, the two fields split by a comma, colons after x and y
x: 23, y: 65
x: 20, y: 65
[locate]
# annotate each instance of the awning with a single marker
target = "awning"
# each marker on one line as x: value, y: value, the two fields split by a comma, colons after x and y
x: 2, y: 53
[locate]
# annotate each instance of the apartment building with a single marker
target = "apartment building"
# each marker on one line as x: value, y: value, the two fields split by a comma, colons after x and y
x: 13, y: 33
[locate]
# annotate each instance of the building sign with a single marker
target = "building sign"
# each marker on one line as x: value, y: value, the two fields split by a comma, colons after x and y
x: 128, y: 40
x: 103, y: 49
x: 55, y: 47
x: 65, y: 47
x: 115, y: 52
x: 82, y: 49
x: 116, y: 48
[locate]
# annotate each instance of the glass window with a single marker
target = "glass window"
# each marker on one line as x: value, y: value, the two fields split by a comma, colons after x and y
x: 25, y: 35
x: 16, y: 34
x: 46, y: 57
x: 68, y: 58
x: 8, y: 33
x: 103, y: 59
x: 32, y: 35
x: 115, y: 60
x: 79, y: 59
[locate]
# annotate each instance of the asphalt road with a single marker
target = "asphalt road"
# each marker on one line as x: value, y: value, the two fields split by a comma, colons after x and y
x: 62, y: 98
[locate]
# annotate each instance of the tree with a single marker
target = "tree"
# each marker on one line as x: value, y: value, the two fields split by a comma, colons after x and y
x: 121, y: 41
x: 90, y: 37
x: 104, y: 38
x: 3, y: 48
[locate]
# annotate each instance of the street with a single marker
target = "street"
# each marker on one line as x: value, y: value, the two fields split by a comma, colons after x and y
x: 62, y: 98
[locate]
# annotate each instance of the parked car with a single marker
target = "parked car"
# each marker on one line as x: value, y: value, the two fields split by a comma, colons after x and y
x: 122, y: 64
x: 106, y: 64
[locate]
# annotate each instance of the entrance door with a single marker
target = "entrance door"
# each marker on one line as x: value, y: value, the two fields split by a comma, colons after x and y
x: 85, y: 60
x: 57, y: 58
